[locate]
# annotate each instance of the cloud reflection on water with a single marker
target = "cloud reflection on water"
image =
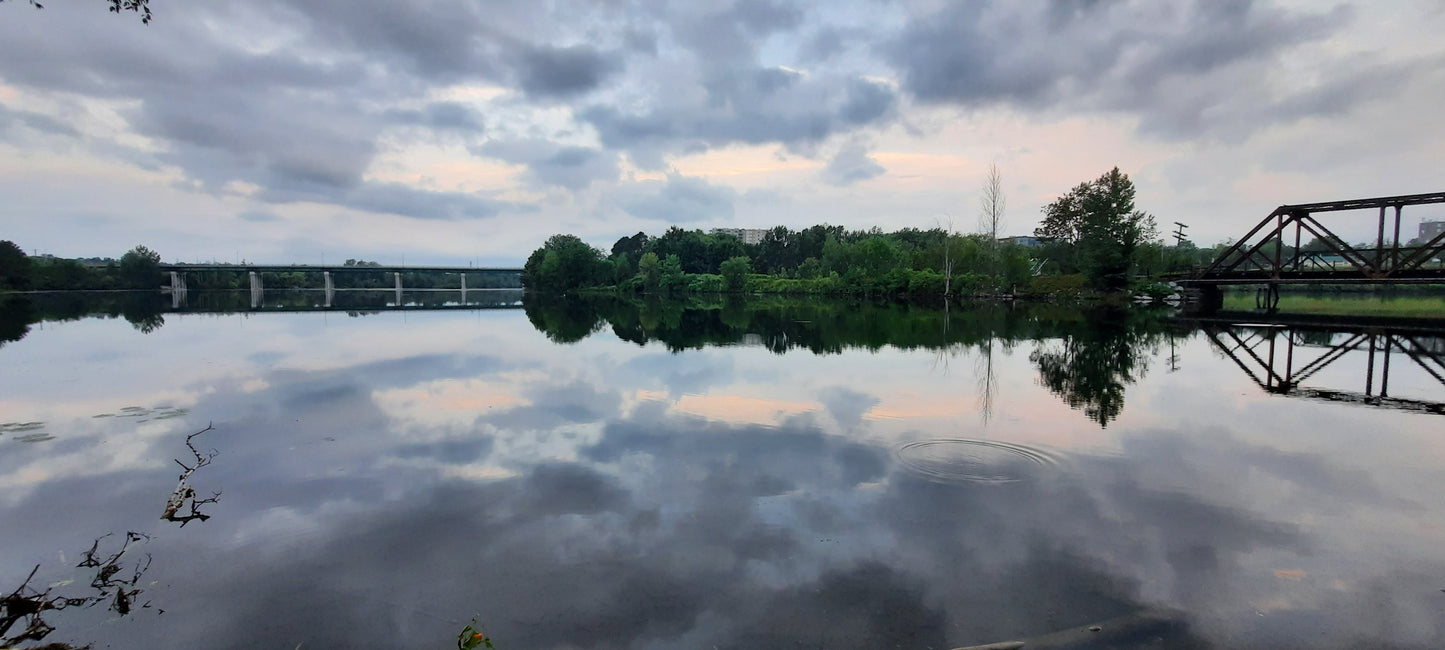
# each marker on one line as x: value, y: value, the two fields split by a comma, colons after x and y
x: 578, y: 515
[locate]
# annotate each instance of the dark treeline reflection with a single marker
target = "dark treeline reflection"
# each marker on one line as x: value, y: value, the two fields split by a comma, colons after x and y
x: 1087, y: 356
x: 144, y: 310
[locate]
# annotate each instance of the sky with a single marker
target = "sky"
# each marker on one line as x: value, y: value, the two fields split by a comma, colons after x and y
x: 456, y: 132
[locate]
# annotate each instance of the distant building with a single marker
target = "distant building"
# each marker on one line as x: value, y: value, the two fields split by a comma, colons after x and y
x: 748, y: 235
x: 1431, y: 229
x: 1027, y: 241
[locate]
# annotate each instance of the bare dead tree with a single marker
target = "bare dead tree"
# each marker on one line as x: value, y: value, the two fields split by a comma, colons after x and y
x: 992, y: 203
x: 185, y: 495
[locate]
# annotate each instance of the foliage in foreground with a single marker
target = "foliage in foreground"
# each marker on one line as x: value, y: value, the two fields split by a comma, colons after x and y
x: 473, y: 636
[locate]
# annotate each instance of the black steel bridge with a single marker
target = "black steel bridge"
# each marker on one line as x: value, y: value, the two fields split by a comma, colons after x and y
x: 1270, y: 256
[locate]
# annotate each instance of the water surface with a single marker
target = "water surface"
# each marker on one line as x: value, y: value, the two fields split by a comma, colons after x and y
x: 730, y: 474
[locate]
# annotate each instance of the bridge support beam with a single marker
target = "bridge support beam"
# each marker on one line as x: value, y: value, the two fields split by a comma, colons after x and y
x: 330, y: 286
x: 178, y: 289
x: 257, y: 290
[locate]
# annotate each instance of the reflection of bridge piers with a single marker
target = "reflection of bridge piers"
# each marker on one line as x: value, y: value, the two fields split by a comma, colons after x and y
x: 1283, y: 355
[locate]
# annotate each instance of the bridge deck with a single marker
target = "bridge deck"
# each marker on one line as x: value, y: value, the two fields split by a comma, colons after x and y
x: 286, y: 268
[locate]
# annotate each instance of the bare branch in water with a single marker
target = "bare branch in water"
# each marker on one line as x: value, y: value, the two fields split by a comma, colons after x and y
x: 184, y: 494
x: 29, y: 605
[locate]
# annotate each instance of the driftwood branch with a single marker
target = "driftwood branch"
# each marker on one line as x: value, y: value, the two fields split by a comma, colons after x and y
x: 27, y: 605
x: 185, y: 496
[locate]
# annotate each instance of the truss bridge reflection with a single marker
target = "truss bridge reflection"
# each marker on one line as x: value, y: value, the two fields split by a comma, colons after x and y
x: 1327, y: 359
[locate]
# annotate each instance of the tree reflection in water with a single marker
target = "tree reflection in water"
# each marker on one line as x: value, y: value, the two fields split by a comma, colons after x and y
x: 1092, y: 361
x: 1085, y: 356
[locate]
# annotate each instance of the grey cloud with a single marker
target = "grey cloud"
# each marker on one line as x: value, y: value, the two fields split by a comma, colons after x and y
x: 447, y: 39
x: 257, y: 217
x: 851, y: 164
x: 550, y: 163
x: 562, y: 72
x: 824, y: 45
x: 756, y: 106
x: 11, y: 118
x: 1101, y: 55
x: 442, y: 116
x: 395, y: 198
x: 681, y: 199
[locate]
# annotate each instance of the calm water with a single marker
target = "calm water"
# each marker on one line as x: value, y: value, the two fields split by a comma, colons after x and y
x: 769, y: 474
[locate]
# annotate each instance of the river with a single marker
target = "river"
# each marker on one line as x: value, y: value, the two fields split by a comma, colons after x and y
x: 767, y: 473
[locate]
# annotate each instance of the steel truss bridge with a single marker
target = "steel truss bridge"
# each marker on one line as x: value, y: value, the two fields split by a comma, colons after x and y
x: 1269, y: 255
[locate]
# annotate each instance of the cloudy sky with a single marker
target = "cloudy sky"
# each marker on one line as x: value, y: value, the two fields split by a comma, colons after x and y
x: 455, y: 132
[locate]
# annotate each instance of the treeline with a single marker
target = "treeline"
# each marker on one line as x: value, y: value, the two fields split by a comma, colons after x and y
x: 138, y: 268
x: 1092, y: 240
x: 822, y: 259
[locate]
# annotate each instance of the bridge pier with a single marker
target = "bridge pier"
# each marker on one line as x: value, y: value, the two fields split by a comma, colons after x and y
x: 257, y: 290
x: 178, y: 282
x: 330, y: 287
x: 1202, y: 298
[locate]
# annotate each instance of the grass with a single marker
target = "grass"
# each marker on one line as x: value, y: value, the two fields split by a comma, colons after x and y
x: 1398, y: 306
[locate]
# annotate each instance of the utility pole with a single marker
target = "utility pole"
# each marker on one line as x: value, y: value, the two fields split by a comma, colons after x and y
x: 1179, y: 234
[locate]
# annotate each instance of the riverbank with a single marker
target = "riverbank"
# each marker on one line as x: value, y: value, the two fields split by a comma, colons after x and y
x: 1399, y: 306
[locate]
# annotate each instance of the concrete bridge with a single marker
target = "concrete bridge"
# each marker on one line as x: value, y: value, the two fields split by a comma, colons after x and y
x: 178, y: 273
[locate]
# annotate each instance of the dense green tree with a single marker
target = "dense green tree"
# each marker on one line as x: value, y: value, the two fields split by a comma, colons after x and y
x: 778, y: 251
x: 1098, y: 218
x: 735, y: 272
x: 673, y: 277
x: 650, y: 268
x: 876, y: 256
x: 140, y: 268
x: 14, y: 266
x: 630, y: 246
x: 563, y: 263
x: 55, y: 274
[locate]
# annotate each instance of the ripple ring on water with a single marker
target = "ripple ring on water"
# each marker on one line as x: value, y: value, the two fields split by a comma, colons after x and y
x: 973, y: 461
